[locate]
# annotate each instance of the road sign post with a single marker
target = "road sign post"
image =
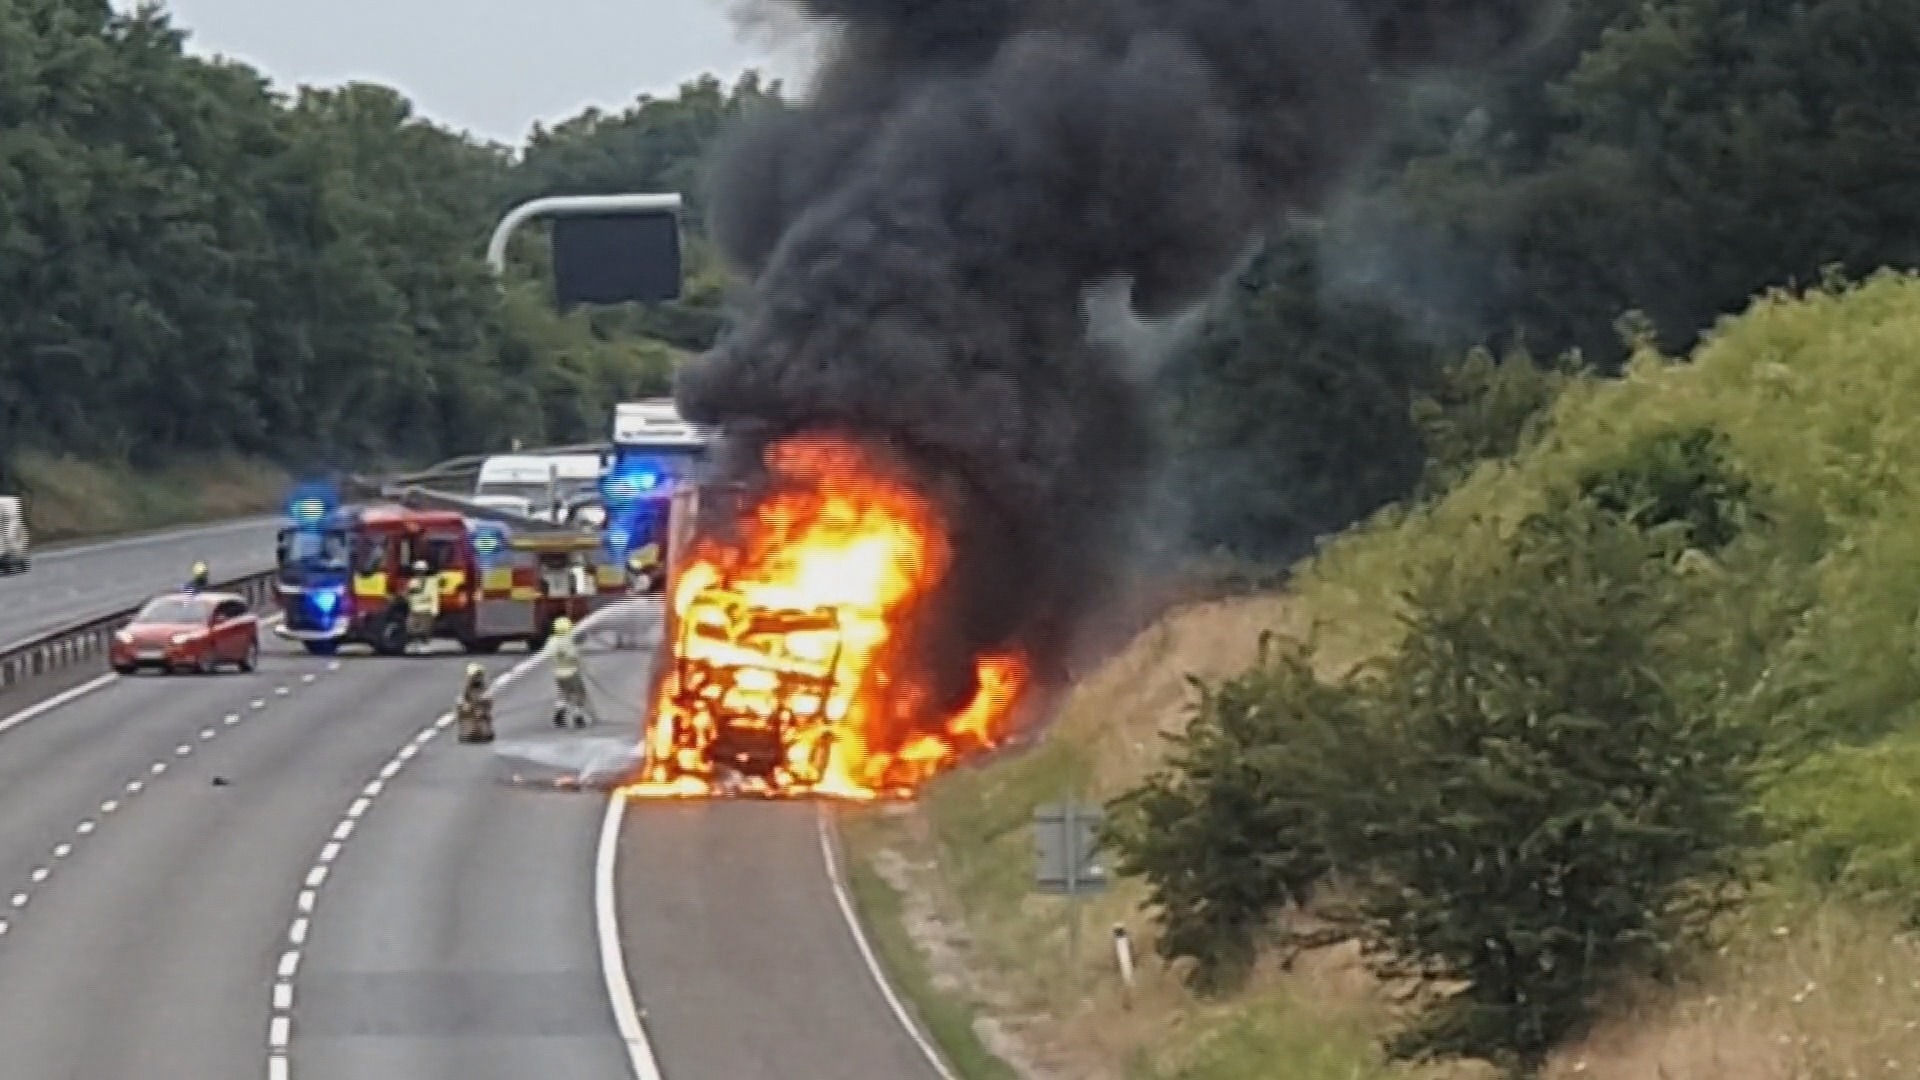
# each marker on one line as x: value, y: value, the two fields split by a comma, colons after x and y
x: 1066, y: 840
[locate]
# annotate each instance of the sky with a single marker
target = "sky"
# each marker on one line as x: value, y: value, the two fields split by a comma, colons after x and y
x: 490, y: 67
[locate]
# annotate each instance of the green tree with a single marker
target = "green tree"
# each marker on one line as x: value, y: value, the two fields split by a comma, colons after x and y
x: 1557, y: 798
x: 1290, y: 411
x: 1228, y: 832
x: 1483, y: 408
x: 190, y: 262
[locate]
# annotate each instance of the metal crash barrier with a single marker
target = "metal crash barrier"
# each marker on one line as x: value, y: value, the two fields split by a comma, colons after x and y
x: 87, y: 641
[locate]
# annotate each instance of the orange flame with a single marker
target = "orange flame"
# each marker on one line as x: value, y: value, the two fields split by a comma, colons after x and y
x: 780, y: 674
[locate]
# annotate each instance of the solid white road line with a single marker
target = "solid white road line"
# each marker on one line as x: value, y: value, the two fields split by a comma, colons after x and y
x: 78, y: 692
x: 852, y: 918
x: 56, y: 701
x: 280, y: 1033
x: 613, y: 961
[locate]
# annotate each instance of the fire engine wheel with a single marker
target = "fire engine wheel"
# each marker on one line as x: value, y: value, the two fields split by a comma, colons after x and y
x: 390, y: 638
x: 322, y: 648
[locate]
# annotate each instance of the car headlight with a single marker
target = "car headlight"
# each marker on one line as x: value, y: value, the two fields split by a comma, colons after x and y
x: 123, y: 637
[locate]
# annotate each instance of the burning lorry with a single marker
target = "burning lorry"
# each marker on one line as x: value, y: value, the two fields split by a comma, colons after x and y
x: 782, y: 671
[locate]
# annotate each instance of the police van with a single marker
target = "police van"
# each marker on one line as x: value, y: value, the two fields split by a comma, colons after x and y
x: 13, y: 535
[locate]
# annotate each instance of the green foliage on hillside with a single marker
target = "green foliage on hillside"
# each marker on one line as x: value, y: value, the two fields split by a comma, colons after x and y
x: 191, y: 263
x: 1680, y: 619
x: 1673, y: 158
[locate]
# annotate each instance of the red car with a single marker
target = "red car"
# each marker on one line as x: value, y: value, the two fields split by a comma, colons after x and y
x: 189, y: 632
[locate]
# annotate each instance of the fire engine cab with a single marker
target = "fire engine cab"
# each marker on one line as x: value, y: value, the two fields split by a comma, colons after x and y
x: 343, y: 575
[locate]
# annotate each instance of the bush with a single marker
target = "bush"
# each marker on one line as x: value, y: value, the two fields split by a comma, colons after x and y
x: 1228, y: 832
x: 1555, y: 801
x: 1677, y: 477
x: 1538, y: 797
x: 1690, y: 595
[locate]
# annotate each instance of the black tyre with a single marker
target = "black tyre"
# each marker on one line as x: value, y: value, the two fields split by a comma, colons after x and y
x: 124, y: 669
x: 390, y: 637
x: 252, y: 659
x: 322, y: 648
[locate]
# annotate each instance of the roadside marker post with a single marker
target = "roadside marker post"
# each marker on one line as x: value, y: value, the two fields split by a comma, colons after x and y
x: 1123, y: 955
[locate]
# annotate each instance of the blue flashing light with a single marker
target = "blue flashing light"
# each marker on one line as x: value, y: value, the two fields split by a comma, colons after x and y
x: 311, y: 505
x: 325, y: 601
x: 628, y: 480
x: 488, y: 540
x: 618, y: 538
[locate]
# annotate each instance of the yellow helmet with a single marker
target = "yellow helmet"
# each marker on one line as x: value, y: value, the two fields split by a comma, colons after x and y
x: 475, y: 669
x: 199, y: 569
x: 563, y: 625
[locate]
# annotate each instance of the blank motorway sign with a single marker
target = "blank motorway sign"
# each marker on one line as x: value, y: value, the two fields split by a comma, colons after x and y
x: 616, y: 257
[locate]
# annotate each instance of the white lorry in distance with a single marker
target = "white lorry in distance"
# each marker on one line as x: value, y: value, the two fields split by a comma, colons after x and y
x: 654, y: 428
x: 13, y: 536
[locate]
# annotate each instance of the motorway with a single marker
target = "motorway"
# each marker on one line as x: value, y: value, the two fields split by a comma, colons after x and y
x: 299, y: 873
x: 72, y: 583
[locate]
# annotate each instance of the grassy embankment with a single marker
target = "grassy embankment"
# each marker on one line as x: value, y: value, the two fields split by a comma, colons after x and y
x: 69, y: 499
x: 1819, y: 400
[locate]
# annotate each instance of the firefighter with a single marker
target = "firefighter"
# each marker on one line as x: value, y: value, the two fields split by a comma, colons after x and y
x: 475, y: 710
x: 423, y: 604
x: 570, y: 689
x: 200, y: 578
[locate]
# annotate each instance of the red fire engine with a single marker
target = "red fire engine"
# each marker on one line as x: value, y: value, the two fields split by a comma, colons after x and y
x: 343, y: 579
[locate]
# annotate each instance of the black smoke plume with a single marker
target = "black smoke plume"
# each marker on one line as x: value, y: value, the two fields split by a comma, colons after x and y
x: 918, y: 236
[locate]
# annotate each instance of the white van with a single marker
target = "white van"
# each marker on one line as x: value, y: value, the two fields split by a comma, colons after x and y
x: 13, y: 536
x: 545, y: 481
x: 577, y: 474
x: 513, y: 504
x: 527, y: 475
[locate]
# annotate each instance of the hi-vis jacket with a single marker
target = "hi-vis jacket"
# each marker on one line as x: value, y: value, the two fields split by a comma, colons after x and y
x: 566, y: 656
x: 423, y: 595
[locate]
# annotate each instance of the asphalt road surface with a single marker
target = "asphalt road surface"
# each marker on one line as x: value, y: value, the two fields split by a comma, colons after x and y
x: 148, y: 902
x: 454, y: 938
x: 299, y: 873
x: 738, y: 952
x: 72, y: 583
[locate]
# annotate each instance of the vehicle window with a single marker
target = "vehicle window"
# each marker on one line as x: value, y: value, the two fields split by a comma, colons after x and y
x: 442, y: 552
x: 371, y: 556
x: 328, y: 549
x: 677, y: 463
x: 231, y: 609
x: 415, y: 549
x: 536, y: 494
x: 173, y: 609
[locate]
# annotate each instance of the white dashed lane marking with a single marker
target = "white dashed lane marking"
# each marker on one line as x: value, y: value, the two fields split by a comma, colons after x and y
x: 280, y: 1031
x: 87, y: 826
